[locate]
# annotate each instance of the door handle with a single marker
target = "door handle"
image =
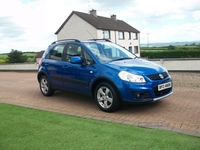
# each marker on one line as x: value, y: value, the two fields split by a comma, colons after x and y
x: 65, y: 67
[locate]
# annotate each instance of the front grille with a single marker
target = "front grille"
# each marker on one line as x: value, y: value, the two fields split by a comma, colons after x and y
x: 158, y: 76
x: 160, y: 93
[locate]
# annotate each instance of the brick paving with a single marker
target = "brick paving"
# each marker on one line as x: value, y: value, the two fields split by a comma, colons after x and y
x: 179, y: 112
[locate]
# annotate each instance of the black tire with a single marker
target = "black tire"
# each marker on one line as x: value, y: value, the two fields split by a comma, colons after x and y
x: 106, y: 97
x: 45, y: 86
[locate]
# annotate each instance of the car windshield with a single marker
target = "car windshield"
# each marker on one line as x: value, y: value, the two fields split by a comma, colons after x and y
x: 107, y: 51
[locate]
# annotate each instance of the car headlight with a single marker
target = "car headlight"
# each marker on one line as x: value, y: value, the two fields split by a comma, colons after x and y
x: 124, y: 75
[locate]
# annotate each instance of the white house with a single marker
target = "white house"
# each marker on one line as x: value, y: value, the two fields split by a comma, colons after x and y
x: 85, y: 26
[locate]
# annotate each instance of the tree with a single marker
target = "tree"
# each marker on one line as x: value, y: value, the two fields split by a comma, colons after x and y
x: 16, y: 56
x: 170, y: 47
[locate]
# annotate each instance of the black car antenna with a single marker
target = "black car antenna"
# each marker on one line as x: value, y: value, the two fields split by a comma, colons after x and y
x: 90, y: 34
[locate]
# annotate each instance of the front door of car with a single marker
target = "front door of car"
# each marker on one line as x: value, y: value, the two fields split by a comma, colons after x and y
x: 78, y: 76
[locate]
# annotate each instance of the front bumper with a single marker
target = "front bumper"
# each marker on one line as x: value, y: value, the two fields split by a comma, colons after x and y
x: 158, y: 98
x: 148, y: 92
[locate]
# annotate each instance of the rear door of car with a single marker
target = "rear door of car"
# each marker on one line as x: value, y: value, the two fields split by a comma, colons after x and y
x: 54, y: 65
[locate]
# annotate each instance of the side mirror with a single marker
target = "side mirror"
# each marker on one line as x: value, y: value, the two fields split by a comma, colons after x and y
x: 76, y: 60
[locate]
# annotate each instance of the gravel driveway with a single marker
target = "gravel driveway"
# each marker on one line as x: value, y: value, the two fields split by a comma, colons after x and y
x: 186, y: 79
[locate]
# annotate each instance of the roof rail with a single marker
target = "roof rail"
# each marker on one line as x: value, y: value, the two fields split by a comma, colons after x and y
x: 100, y: 40
x: 65, y: 40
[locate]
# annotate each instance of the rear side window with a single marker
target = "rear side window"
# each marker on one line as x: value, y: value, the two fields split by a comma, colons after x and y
x: 57, y: 52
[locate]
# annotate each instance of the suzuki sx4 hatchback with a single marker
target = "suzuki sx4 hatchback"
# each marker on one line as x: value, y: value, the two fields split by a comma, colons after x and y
x: 110, y: 73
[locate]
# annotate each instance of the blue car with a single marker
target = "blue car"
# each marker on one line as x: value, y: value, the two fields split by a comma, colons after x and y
x: 107, y: 71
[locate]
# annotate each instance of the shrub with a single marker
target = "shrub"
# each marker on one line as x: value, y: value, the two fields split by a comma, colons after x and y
x: 171, y: 53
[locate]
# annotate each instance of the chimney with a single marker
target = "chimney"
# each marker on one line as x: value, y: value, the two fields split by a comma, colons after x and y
x: 93, y: 12
x: 114, y: 17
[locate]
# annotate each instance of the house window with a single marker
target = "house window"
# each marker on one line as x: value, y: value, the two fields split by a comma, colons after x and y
x: 106, y: 34
x: 135, y: 36
x: 135, y: 49
x: 121, y: 35
x: 130, y: 48
x: 129, y: 35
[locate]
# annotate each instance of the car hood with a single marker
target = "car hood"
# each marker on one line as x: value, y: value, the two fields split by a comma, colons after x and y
x: 137, y: 66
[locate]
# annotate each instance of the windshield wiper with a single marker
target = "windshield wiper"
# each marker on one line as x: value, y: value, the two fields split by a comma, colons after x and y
x: 136, y: 57
x: 122, y: 58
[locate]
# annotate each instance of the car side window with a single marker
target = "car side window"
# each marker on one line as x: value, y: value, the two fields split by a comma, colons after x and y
x: 88, y: 58
x: 73, y: 50
x: 57, y: 52
x: 77, y: 50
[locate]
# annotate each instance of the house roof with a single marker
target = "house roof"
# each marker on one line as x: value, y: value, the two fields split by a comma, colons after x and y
x: 100, y: 22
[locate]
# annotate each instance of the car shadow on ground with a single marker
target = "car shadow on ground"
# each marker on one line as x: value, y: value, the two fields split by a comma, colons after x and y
x: 88, y: 102
x: 142, y: 107
x: 75, y: 97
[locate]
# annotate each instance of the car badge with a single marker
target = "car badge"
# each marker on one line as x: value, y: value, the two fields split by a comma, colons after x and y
x: 161, y: 76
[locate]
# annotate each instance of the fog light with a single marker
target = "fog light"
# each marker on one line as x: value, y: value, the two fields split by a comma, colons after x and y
x: 140, y: 95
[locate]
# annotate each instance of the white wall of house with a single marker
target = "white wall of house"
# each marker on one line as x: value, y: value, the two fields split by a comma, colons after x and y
x: 77, y: 28
x: 133, y: 43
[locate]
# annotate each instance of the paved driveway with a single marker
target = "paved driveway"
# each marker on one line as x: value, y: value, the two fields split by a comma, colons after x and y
x: 179, y: 112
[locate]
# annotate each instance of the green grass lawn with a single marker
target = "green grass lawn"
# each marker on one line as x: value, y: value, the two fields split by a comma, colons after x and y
x: 24, y: 128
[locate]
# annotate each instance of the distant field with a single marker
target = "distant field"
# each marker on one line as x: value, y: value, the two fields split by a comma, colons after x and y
x: 183, y: 47
x: 184, y: 51
x: 3, y: 58
x: 3, y: 55
x: 153, y: 48
x: 30, y: 55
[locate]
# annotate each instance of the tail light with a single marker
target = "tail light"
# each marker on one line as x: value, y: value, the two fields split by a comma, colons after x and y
x: 40, y: 62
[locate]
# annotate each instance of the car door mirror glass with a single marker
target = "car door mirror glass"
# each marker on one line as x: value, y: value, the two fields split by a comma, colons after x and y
x: 76, y: 60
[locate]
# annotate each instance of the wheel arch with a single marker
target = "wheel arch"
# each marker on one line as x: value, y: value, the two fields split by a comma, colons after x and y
x: 104, y: 79
x: 40, y: 74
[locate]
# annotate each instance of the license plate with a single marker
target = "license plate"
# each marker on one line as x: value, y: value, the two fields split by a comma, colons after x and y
x: 164, y: 86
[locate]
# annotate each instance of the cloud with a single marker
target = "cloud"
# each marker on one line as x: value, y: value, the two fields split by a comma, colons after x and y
x: 196, y: 15
x: 174, y: 33
x: 110, y: 4
x: 9, y: 29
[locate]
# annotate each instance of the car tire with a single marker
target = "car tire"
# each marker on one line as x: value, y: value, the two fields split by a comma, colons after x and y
x: 106, y: 97
x: 45, y: 86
